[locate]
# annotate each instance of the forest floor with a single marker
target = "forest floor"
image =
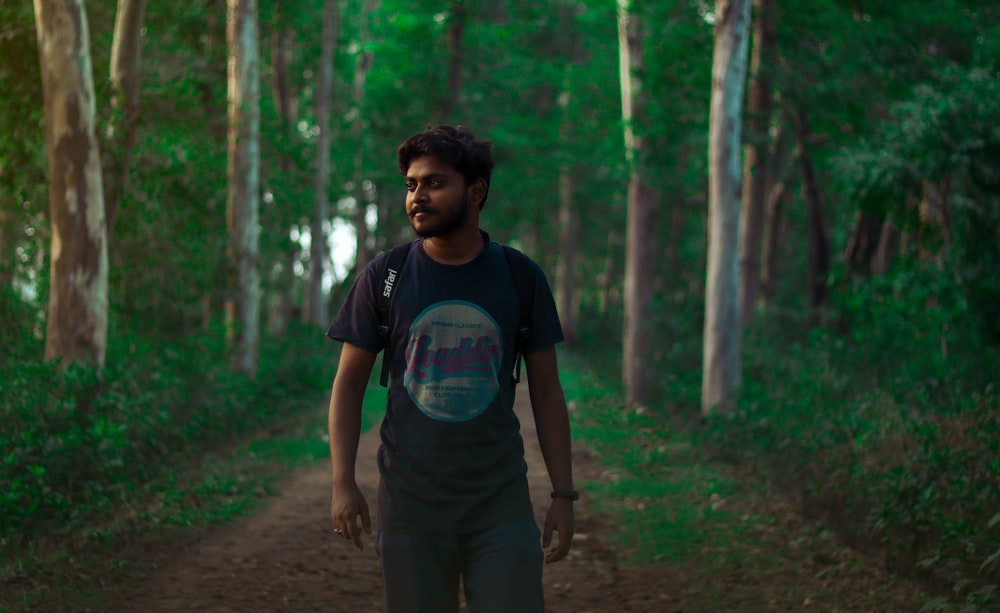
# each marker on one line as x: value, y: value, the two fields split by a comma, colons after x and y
x: 285, y: 557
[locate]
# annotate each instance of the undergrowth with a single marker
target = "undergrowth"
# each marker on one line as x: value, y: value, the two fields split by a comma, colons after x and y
x: 79, y: 443
x: 884, y: 423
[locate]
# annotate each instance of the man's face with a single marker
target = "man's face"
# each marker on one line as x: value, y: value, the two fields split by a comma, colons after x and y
x: 437, y: 198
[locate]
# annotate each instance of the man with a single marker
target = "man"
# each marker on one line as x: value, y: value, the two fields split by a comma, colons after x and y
x: 453, y: 504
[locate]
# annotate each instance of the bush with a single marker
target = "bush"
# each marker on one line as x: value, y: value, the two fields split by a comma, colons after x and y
x: 886, y: 428
x: 78, y: 442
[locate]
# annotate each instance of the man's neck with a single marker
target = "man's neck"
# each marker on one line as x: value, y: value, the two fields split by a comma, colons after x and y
x: 455, y: 249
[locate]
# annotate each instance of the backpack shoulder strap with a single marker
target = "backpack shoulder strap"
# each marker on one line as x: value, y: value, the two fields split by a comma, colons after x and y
x: 391, y: 266
x: 523, y: 273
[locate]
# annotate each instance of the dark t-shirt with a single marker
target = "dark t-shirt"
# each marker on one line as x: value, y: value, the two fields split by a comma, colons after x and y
x: 452, y: 458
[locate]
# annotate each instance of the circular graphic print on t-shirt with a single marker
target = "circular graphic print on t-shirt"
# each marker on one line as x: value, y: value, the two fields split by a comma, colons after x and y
x: 453, y: 360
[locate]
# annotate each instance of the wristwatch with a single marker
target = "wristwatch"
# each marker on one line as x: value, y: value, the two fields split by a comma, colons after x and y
x: 571, y: 494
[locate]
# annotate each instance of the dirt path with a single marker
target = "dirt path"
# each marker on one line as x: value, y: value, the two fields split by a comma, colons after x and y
x: 285, y: 558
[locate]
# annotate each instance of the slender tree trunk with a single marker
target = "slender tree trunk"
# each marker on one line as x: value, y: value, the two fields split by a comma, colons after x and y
x: 499, y: 10
x: 722, y: 362
x: 242, y: 204
x: 569, y: 218
x: 364, y: 63
x: 126, y: 53
x: 784, y: 165
x: 282, y: 45
x: 77, y: 325
x: 864, y: 242
x: 640, y: 228
x: 777, y: 202
x: 456, y: 57
x: 569, y: 238
x: 609, y: 278
x: 284, y: 96
x: 318, y: 257
x: 285, y: 303
x: 757, y: 163
x: 888, y: 248
x: 935, y: 218
x: 819, y: 248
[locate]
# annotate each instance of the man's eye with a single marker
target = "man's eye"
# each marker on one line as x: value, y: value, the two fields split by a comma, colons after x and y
x: 410, y: 186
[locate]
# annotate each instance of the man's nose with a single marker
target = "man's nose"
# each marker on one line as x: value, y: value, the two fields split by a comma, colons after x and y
x: 419, y: 194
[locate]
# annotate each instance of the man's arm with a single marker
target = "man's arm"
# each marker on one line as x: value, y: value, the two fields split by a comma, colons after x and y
x: 348, y: 503
x: 552, y: 424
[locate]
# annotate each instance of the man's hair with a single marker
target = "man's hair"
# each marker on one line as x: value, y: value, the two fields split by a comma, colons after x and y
x: 455, y: 146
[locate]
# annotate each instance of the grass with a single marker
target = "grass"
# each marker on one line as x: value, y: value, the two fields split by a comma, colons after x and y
x: 726, y: 531
x: 221, y: 486
x: 721, y: 531
x: 673, y: 503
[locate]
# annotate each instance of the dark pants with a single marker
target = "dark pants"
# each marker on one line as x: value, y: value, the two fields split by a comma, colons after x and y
x: 500, y: 569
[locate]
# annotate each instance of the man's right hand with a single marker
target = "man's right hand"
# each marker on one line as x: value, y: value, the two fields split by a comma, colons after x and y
x: 347, y: 504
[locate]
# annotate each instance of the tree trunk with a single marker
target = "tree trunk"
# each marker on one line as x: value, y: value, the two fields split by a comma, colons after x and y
x: 569, y: 238
x: 757, y: 163
x: 456, y: 34
x: 864, y: 242
x: 640, y: 228
x: 282, y: 44
x: 784, y: 165
x: 126, y: 53
x: 77, y: 325
x: 609, y: 278
x: 722, y: 366
x: 888, y: 248
x: 935, y: 218
x: 569, y: 217
x: 819, y: 248
x: 284, y: 97
x: 281, y: 314
x: 8, y: 253
x: 318, y: 311
x: 243, y: 199
x: 364, y: 63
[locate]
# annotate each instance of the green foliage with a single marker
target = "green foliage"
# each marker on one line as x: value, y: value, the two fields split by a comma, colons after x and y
x: 885, y: 426
x: 948, y: 134
x: 659, y: 490
x: 79, y: 443
x: 23, y: 197
x: 886, y: 419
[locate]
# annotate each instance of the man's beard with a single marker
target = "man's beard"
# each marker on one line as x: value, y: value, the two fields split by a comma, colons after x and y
x: 444, y: 223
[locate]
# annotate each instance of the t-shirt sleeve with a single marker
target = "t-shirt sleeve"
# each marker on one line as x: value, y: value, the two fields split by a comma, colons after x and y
x: 357, y: 321
x: 545, y: 327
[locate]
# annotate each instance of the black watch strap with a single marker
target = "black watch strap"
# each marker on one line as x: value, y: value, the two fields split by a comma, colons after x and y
x: 571, y: 494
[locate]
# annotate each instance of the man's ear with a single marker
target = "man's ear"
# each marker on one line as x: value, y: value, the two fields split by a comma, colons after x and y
x: 477, y: 192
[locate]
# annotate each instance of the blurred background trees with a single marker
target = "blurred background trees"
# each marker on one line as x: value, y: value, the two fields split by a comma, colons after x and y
x: 869, y: 231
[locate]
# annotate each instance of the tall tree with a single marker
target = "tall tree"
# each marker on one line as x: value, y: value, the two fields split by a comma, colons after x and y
x: 456, y: 34
x: 365, y: 56
x: 569, y: 237
x: 126, y: 52
x: 318, y: 257
x: 757, y: 163
x: 783, y: 167
x: 243, y: 198
x: 640, y: 232
x: 819, y: 250
x: 77, y: 325
x: 722, y: 365
x: 569, y: 214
